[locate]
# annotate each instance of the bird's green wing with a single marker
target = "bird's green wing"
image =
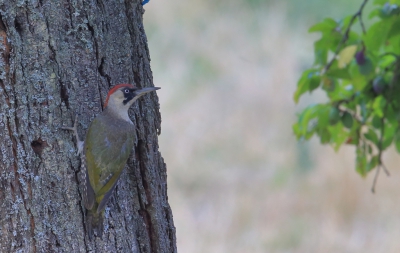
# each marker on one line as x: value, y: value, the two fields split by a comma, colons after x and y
x: 106, y: 151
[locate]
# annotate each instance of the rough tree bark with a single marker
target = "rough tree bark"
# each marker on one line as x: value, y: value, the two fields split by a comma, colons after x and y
x: 59, y: 58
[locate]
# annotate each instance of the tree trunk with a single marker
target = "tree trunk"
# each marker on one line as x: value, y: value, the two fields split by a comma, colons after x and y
x: 59, y: 58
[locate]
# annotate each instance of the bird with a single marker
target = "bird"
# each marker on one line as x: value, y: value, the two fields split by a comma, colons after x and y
x: 105, y: 151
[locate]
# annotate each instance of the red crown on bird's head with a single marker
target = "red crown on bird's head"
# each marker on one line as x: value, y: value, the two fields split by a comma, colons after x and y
x: 115, y: 88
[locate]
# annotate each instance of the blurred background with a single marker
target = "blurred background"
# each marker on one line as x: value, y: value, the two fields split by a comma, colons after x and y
x: 238, y: 180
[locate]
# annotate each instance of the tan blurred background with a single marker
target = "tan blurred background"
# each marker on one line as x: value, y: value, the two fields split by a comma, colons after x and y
x: 238, y: 180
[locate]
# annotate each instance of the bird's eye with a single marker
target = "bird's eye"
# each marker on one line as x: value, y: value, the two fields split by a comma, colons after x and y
x: 126, y: 90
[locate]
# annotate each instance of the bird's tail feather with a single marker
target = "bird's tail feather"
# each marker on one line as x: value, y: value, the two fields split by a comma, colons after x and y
x: 94, y: 223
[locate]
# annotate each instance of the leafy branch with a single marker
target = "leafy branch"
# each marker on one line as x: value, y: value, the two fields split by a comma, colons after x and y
x: 361, y: 84
x: 379, y: 158
x: 346, y: 33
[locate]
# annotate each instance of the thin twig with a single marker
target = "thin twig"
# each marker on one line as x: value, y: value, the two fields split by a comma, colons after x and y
x: 380, y: 146
x: 375, y: 179
x: 360, y: 16
x: 346, y: 33
x: 385, y: 170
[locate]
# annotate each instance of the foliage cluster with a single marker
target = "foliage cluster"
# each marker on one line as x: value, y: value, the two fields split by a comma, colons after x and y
x: 359, y: 71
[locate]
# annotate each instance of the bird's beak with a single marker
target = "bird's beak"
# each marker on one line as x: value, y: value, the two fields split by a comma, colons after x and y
x: 143, y: 91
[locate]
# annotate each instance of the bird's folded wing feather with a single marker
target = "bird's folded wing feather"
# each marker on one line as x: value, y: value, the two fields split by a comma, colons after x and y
x: 106, y: 154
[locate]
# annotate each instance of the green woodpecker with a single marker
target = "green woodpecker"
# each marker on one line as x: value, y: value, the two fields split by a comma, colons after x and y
x: 107, y: 146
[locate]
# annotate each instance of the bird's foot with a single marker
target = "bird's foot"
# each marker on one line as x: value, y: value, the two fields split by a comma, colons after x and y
x: 79, y: 143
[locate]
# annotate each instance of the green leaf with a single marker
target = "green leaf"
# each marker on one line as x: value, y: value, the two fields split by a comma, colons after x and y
x: 304, y: 83
x: 379, y: 106
x: 380, y: 2
x: 361, y: 161
x: 325, y: 136
x: 323, y: 116
x: 321, y: 52
x: 389, y: 133
x: 328, y: 84
x: 366, y: 68
x: 345, y: 22
x: 376, y: 35
x: 334, y: 116
x: 328, y: 41
x: 374, y: 13
x: 346, y: 55
x: 386, y: 61
x: 305, y: 126
x: 296, y: 130
x: 347, y: 120
x: 326, y: 26
x: 395, y: 28
x: 372, y: 136
x: 314, y: 82
x: 386, y: 143
x: 302, y: 87
x: 394, y: 46
x: 338, y: 135
x: 338, y: 73
x: 342, y: 92
x: 391, y: 115
x: 372, y: 163
x: 376, y: 122
x: 364, y: 111
x: 353, y: 139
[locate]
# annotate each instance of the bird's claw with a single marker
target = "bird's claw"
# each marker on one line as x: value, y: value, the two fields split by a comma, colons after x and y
x: 79, y: 143
x: 79, y: 146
